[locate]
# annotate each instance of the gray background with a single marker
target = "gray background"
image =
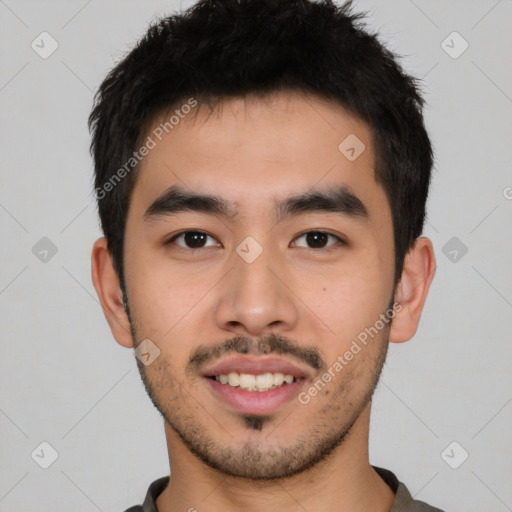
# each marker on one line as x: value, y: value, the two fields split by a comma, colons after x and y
x: 66, y: 382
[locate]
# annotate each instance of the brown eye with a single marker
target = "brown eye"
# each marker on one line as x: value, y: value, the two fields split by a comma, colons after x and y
x: 318, y: 239
x: 191, y: 239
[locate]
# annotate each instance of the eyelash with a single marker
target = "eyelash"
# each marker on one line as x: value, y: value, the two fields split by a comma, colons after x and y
x: 328, y: 248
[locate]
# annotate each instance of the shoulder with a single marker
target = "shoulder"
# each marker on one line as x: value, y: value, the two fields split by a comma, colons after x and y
x: 404, y: 502
x: 154, y: 491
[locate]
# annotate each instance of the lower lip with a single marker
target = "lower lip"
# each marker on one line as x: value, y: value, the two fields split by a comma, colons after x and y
x: 255, y: 402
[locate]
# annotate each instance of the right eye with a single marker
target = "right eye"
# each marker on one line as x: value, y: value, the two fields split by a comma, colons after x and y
x: 191, y: 239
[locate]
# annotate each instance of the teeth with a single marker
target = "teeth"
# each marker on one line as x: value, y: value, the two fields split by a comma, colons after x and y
x: 249, y: 382
x: 288, y: 379
x: 265, y: 381
x: 278, y: 379
x: 233, y: 379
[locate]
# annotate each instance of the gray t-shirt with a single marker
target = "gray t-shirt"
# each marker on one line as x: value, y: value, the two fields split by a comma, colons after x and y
x: 403, y: 499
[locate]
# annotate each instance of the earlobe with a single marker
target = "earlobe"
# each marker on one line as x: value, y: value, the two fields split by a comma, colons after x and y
x: 106, y: 283
x: 417, y: 274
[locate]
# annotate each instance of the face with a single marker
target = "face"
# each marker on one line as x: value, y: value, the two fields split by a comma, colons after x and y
x: 258, y: 295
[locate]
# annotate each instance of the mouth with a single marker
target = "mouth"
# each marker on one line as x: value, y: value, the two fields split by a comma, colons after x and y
x: 255, y: 385
x: 249, y: 382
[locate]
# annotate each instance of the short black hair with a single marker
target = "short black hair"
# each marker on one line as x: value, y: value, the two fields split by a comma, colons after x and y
x: 218, y: 49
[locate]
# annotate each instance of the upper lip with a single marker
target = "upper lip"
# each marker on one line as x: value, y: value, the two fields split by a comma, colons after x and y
x: 255, y: 365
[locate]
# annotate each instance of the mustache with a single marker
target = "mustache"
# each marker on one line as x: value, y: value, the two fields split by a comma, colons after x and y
x: 269, y: 344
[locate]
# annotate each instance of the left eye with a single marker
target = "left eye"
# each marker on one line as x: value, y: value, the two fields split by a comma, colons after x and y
x: 318, y: 239
x: 197, y: 239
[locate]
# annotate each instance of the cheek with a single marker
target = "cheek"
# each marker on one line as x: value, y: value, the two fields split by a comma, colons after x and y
x: 348, y: 297
x: 153, y: 293
x: 166, y: 301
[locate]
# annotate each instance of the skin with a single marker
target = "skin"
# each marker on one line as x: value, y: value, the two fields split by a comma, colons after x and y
x: 311, y: 296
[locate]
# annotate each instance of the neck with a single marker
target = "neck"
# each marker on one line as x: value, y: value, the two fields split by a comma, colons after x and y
x: 345, y: 482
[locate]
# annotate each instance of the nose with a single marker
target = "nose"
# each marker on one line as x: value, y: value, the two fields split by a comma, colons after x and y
x: 257, y: 297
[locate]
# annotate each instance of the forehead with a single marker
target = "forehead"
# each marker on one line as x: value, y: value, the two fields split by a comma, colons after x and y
x: 253, y: 151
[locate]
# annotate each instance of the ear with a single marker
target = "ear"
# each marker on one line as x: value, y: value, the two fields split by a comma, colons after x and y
x: 106, y: 283
x: 411, y: 293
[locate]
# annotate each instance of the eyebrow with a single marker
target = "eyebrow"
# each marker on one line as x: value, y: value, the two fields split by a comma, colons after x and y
x: 329, y: 200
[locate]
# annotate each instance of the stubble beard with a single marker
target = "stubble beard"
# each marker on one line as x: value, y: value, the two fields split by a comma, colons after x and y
x: 254, y: 459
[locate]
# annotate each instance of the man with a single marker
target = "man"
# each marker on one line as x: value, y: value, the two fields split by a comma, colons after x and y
x: 262, y: 169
